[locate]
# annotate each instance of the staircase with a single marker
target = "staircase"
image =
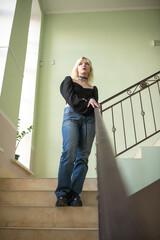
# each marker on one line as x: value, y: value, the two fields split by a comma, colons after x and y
x: 27, y: 211
x: 27, y: 205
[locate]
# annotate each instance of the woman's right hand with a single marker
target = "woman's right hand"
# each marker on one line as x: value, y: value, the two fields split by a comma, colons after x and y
x: 93, y: 103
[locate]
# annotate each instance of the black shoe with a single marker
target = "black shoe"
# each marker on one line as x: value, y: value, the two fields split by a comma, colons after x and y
x: 74, y: 199
x: 62, y: 201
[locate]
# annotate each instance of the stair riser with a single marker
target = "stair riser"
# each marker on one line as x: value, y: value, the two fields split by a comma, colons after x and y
x: 49, y: 234
x: 62, y: 217
x: 30, y: 198
x: 47, y: 184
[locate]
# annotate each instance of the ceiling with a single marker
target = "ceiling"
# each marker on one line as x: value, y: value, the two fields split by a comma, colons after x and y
x: 73, y: 6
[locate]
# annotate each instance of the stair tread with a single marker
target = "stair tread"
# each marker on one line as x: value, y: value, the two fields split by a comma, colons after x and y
x: 70, y: 207
x: 34, y: 191
x: 45, y: 228
x: 40, y: 184
x: 49, y: 233
x: 40, y: 198
x: 60, y: 217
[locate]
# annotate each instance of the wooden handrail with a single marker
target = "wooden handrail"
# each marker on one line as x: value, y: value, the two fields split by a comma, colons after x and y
x: 116, y: 219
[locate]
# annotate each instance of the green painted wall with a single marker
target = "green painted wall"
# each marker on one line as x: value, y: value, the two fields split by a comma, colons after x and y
x: 13, y: 77
x: 139, y: 173
x: 120, y: 46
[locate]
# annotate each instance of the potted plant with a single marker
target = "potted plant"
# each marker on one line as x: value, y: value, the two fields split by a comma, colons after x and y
x: 20, y: 136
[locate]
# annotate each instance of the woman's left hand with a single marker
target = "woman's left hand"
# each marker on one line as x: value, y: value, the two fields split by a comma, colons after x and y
x: 93, y: 103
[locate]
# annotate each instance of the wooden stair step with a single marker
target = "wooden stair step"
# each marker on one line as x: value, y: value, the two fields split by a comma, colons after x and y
x: 49, y: 217
x: 40, y: 198
x: 48, y: 184
x: 49, y: 233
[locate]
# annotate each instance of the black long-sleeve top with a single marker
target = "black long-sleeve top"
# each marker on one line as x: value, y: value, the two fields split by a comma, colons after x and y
x: 77, y: 96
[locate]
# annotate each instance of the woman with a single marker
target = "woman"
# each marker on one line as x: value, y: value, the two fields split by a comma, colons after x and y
x: 78, y: 132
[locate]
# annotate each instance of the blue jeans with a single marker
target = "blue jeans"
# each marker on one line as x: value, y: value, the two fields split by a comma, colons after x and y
x: 78, y: 133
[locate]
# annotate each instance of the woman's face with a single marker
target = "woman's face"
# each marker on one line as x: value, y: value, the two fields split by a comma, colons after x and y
x: 84, y: 68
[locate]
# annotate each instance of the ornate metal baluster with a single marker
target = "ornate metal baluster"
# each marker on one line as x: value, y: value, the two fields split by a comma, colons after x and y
x: 134, y: 126
x: 154, y: 120
x: 143, y: 114
x: 124, y: 131
x: 101, y: 108
x: 158, y: 87
x: 114, y: 131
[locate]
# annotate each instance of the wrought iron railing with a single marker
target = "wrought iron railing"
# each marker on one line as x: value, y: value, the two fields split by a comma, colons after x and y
x: 132, y: 115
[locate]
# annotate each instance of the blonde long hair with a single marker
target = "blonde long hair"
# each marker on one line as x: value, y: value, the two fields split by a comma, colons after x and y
x: 74, y: 73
